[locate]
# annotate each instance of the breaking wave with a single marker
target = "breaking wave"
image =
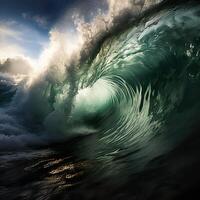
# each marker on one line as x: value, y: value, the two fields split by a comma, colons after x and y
x: 141, y: 84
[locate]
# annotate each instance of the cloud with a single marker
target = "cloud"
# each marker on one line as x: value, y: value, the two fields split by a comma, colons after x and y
x: 38, y: 19
x: 42, y: 21
x: 9, y: 50
x: 6, y: 31
x: 20, y: 40
x: 7, y: 47
x: 15, y: 66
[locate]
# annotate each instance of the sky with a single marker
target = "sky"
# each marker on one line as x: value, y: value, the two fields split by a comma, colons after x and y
x: 25, y: 25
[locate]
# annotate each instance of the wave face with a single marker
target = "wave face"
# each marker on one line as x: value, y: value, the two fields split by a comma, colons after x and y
x: 139, y: 83
x: 142, y: 84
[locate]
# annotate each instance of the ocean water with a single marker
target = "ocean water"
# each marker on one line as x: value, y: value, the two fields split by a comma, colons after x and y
x: 122, y: 124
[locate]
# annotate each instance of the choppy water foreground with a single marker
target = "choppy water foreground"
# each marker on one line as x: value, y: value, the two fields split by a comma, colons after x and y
x: 132, y: 107
x: 60, y: 173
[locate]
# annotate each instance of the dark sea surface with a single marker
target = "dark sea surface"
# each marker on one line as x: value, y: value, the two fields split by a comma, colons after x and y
x: 59, y: 173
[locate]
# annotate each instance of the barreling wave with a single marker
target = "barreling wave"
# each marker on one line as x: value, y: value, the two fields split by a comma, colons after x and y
x: 139, y: 82
x: 140, y: 79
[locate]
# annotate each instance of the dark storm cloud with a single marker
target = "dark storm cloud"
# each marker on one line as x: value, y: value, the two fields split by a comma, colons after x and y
x: 50, y: 9
x: 44, y: 12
